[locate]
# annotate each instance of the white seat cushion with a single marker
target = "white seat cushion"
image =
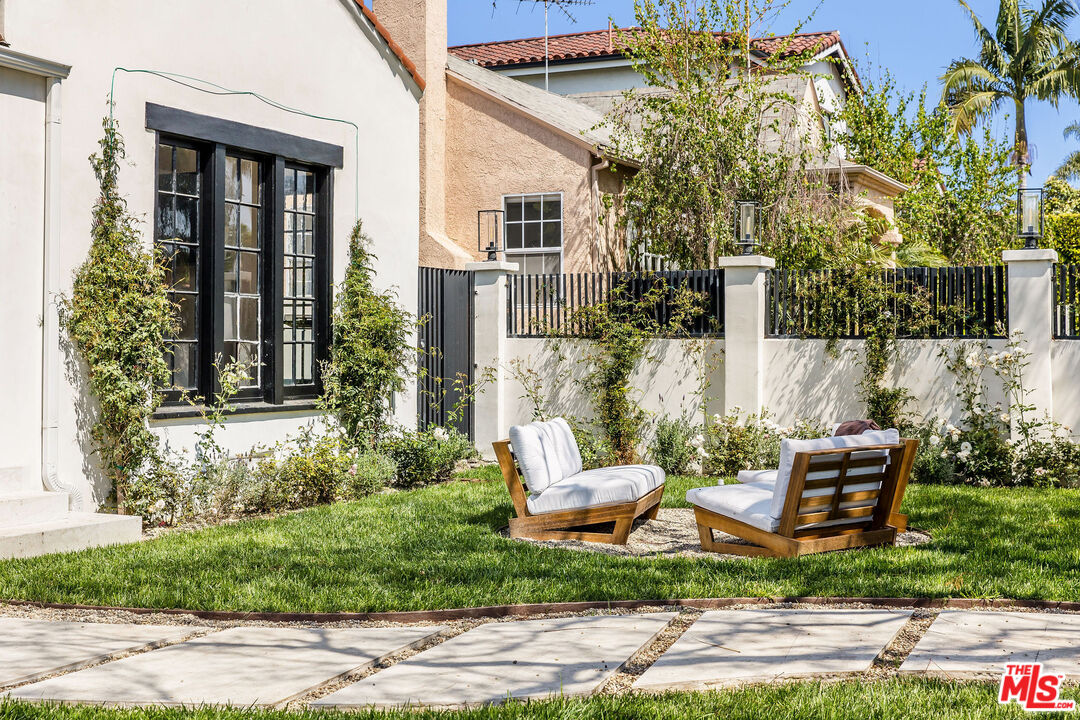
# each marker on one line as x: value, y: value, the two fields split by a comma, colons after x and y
x: 547, y: 453
x: 753, y: 476
x: 789, y: 448
x: 746, y: 503
x: 595, y: 488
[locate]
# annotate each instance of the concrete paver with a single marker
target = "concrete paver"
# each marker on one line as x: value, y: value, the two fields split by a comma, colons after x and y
x: 963, y: 643
x: 731, y: 646
x: 240, y: 666
x: 527, y: 659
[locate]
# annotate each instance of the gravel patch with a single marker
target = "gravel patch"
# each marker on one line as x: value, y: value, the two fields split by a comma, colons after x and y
x: 674, y: 534
x: 895, y: 653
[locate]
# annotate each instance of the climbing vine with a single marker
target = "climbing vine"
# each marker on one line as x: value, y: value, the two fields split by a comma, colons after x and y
x: 119, y: 316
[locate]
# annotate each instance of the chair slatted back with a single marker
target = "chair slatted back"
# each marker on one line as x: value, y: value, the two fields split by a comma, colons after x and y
x: 842, y: 489
x: 512, y: 476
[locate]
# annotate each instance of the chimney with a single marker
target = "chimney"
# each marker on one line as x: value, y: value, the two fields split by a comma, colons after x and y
x: 419, y: 27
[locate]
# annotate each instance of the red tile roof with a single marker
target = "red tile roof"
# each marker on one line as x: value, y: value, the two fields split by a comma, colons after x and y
x: 607, y: 43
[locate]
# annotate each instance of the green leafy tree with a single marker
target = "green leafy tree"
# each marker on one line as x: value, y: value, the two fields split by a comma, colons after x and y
x: 1027, y: 55
x: 959, y: 205
x: 118, y: 316
x: 372, y: 349
x: 707, y: 134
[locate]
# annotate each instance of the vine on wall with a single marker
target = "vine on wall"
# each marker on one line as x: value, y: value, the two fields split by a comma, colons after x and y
x: 119, y: 316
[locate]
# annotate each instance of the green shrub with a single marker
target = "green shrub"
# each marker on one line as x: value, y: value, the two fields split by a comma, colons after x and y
x: 671, y: 447
x: 592, y: 444
x: 732, y: 445
x: 1063, y: 235
x: 426, y: 456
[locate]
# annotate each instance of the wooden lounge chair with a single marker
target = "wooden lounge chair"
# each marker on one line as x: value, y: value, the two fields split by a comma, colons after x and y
x: 562, y: 500
x: 832, y: 499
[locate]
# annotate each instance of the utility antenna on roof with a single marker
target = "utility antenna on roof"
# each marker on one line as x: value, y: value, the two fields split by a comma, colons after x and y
x: 564, y: 7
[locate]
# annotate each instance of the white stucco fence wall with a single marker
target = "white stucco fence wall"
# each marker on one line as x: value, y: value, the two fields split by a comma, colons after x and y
x: 320, y: 56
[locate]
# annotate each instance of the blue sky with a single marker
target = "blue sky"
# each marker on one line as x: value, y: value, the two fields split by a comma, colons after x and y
x: 915, y: 39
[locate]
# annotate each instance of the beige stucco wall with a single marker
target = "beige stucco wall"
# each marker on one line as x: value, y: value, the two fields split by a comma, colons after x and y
x: 325, y: 60
x: 494, y: 150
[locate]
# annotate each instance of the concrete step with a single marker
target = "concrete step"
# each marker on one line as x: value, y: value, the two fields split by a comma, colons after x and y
x: 31, y: 507
x: 74, y: 531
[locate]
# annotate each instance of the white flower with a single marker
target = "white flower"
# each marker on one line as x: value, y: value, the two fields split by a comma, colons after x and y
x: 1004, y: 417
x: 963, y: 456
x: 352, y: 470
x: 701, y: 452
x: 965, y: 447
x: 698, y: 441
x: 1040, y: 471
x: 944, y: 454
x: 972, y: 360
x: 158, y: 506
x: 718, y: 418
x: 440, y: 434
x: 934, y: 441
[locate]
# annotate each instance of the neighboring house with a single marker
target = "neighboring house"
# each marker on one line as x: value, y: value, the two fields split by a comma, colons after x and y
x: 254, y: 200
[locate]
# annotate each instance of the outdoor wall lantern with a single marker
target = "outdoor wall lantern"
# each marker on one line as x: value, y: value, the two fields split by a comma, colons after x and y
x: 489, y: 233
x: 747, y: 226
x: 1029, y: 211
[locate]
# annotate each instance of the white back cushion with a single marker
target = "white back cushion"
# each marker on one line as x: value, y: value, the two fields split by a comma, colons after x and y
x: 546, y: 453
x: 789, y: 448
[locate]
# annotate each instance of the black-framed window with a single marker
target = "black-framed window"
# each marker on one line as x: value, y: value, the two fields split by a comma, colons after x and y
x: 247, y: 238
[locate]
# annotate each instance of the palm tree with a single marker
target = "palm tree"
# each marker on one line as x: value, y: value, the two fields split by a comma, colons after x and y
x: 1070, y: 167
x: 1027, y: 56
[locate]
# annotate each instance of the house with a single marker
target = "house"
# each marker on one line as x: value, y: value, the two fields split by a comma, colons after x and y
x: 497, y: 148
x: 256, y: 136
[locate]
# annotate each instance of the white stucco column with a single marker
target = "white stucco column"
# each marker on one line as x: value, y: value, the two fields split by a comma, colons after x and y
x: 489, y: 350
x: 1031, y: 311
x: 744, y: 331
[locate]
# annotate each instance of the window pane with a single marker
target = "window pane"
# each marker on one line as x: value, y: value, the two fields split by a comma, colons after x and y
x: 552, y: 263
x: 552, y: 234
x: 230, y: 317
x: 552, y: 207
x: 249, y: 182
x: 249, y: 318
x: 183, y: 365
x: 513, y: 235
x: 231, y: 271
x: 186, y: 218
x: 513, y: 209
x: 299, y: 278
x: 249, y: 273
x: 249, y: 227
x: 532, y: 207
x: 185, y: 310
x: 232, y: 225
x: 187, y: 171
x: 532, y: 235
x: 183, y: 267
x: 164, y: 230
x: 165, y: 176
x: 290, y: 189
x: 232, y: 178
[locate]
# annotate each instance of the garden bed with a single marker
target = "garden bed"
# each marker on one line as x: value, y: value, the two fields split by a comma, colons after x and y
x: 439, y: 547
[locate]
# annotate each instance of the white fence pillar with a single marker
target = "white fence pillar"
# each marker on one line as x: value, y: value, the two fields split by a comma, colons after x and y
x: 744, y: 331
x: 1031, y: 311
x: 489, y: 350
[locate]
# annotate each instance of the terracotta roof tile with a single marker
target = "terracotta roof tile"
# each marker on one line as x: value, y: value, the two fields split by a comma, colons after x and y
x: 410, y: 66
x: 605, y: 43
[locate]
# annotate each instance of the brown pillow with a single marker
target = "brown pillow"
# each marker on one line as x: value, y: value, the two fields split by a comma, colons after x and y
x: 855, y: 427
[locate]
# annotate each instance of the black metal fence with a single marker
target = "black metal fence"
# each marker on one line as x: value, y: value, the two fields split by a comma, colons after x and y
x: 549, y: 305
x: 1067, y: 301
x: 963, y: 302
x: 445, y: 374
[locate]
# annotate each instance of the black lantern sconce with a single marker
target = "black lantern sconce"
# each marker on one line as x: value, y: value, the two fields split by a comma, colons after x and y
x: 747, y: 226
x: 489, y: 233
x: 1029, y: 216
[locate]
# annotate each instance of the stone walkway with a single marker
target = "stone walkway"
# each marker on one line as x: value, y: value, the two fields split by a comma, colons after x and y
x: 443, y: 666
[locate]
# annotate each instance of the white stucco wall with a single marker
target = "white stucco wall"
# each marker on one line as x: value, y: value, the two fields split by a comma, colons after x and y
x: 321, y: 58
x: 1065, y: 356
x: 22, y: 222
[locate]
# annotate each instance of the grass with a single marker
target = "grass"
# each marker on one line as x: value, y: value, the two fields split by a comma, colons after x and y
x: 852, y: 700
x: 437, y: 547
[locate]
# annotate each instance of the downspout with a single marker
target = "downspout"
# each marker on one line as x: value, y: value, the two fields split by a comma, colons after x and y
x: 50, y: 320
x: 595, y: 170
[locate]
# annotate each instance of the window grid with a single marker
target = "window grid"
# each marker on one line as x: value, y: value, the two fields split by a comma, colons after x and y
x: 534, y: 232
x: 299, y: 280
x: 243, y: 265
x: 177, y: 235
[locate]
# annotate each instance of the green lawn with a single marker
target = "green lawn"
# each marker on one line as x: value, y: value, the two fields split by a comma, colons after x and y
x: 437, y: 548
x: 853, y: 700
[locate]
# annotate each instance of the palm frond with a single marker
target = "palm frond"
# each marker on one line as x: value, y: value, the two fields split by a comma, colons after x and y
x: 991, y: 51
x: 1070, y: 167
x: 1072, y: 131
x: 1009, y: 26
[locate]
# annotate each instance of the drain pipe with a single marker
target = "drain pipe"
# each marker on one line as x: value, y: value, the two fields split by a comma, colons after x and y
x: 50, y: 320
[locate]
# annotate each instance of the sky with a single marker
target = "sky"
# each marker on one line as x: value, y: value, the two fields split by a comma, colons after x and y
x: 914, y: 39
